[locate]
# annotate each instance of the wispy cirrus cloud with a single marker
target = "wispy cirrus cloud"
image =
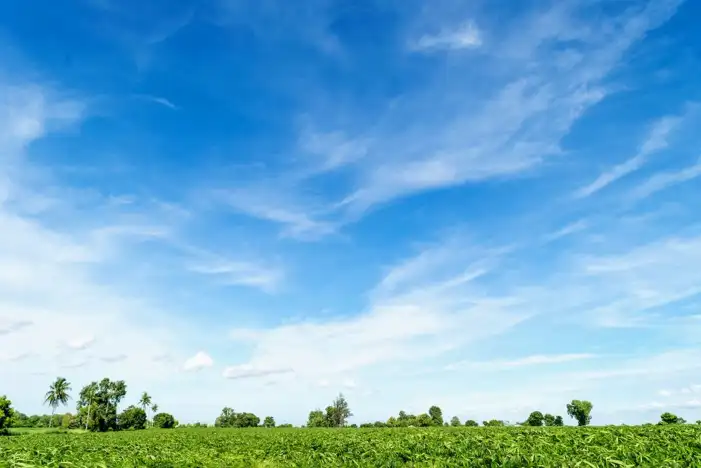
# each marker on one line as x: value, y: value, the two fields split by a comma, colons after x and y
x: 663, y: 180
x: 466, y: 36
x: 654, y: 142
x: 503, y: 364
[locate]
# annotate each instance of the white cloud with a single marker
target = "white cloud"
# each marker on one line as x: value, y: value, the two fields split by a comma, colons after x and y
x: 467, y: 36
x: 80, y: 343
x: 500, y: 365
x: 247, y: 371
x: 664, y: 180
x: 199, y: 361
x: 654, y: 142
x: 158, y: 100
x: 664, y: 393
x: 297, y: 216
x: 567, y: 230
x: 412, y: 316
x: 241, y: 273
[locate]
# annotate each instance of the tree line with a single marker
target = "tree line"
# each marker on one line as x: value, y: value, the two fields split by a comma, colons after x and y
x: 97, y: 402
x: 96, y: 409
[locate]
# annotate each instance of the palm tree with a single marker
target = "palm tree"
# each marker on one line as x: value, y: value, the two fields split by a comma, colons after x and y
x: 154, y: 408
x: 87, y: 395
x: 145, y: 401
x: 57, y: 395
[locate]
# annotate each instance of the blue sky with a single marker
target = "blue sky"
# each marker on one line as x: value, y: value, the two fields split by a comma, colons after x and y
x: 489, y: 206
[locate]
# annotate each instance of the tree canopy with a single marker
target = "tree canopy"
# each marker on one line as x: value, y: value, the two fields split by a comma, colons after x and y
x: 580, y: 410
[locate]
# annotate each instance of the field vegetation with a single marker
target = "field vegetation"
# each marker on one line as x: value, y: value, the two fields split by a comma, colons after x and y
x: 98, y: 435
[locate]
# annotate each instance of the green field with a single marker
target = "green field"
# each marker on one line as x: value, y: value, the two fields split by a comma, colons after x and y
x: 651, y: 446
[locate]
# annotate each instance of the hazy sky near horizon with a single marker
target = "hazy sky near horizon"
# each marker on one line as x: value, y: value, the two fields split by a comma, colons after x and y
x: 492, y: 206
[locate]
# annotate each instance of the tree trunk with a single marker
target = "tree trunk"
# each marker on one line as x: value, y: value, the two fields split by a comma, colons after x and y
x: 88, y: 418
x: 51, y: 421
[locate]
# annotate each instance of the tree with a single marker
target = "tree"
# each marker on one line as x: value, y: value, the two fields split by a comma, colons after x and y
x: 549, y: 419
x: 154, y: 408
x: 536, y: 419
x: 580, y: 410
x: 669, y: 418
x: 132, y: 418
x: 6, y: 414
x: 455, y: 421
x: 340, y: 412
x: 493, y: 423
x: 87, y: 396
x: 559, y: 421
x: 436, y: 415
x: 423, y: 420
x: 230, y: 418
x: 99, y: 401
x: 317, y: 419
x: 269, y: 421
x: 145, y: 401
x: 164, y: 421
x: 471, y: 423
x: 57, y: 395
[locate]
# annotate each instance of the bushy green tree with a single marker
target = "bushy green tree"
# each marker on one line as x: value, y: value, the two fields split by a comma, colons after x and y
x: 580, y: 410
x: 536, y: 419
x: 471, y: 423
x: 317, y: 418
x: 436, y: 415
x: 164, y: 421
x: 269, y: 421
x: 6, y: 414
x: 230, y: 418
x: 455, y: 421
x: 98, y: 404
x: 338, y: 413
x: 493, y: 423
x: 132, y: 417
x: 558, y: 421
x: 669, y: 418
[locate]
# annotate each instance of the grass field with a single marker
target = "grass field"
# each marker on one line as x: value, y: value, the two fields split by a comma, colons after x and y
x: 652, y: 446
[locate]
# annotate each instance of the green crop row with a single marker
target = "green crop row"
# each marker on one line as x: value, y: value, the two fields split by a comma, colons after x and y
x: 654, y: 446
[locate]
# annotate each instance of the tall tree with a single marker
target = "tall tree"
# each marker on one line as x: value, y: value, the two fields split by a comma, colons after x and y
x: 436, y: 415
x: 87, y: 396
x: 6, y: 414
x: 145, y: 402
x: 340, y: 411
x: 57, y: 395
x: 581, y: 411
x: 455, y: 421
x: 100, y: 401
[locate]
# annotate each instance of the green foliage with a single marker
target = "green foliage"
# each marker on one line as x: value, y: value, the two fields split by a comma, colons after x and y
x: 455, y: 421
x: 97, y: 404
x: 317, y: 418
x: 559, y: 421
x: 335, y: 415
x: 57, y: 395
x: 269, y: 421
x: 536, y: 419
x: 669, y: 418
x: 673, y: 446
x: 493, y: 423
x: 580, y: 410
x: 6, y: 414
x: 230, y: 418
x: 132, y: 418
x: 471, y: 423
x: 164, y: 421
x: 436, y: 415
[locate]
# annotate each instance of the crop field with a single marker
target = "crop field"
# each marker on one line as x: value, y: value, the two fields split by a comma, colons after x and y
x: 651, y: 446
